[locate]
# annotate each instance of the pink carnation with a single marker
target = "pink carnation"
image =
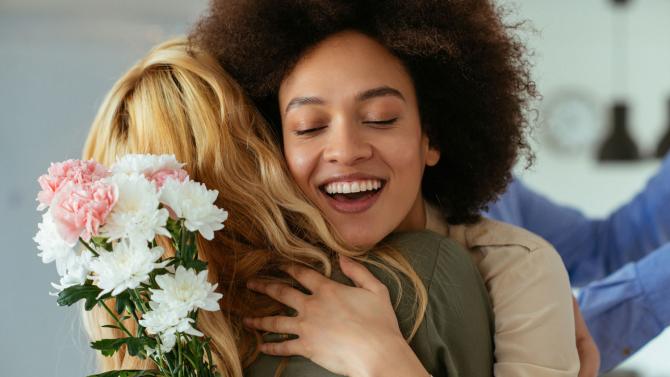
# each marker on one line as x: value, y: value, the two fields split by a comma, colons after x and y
x: 59, y: 174
x: 80, y: 210
x: 159, y: 177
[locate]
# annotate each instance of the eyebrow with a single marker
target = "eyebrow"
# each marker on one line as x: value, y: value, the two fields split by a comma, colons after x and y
x: 380, y: 91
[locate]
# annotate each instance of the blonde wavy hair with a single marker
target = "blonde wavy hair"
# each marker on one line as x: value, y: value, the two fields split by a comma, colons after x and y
x: 180, y: 101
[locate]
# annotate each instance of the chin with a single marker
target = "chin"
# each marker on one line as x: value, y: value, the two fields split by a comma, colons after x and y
x: 360, y: 240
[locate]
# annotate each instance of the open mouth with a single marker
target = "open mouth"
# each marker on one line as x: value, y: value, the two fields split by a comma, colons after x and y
x: 352, y: 197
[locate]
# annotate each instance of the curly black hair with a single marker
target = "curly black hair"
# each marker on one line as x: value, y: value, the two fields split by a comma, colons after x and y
x: 469, y: 68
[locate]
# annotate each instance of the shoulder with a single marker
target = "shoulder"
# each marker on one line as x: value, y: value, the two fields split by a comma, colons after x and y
x: 505, y: 243
x: 504, y: 250
x: 296, y: 366
x: 488, y: 232
x: 456, y: 331
x: 455, y: 287
x: 423, y: 249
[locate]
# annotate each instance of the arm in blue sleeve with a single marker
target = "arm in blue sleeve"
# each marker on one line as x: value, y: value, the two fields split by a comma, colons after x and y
x: 592, y: 249
x: 629, y: 308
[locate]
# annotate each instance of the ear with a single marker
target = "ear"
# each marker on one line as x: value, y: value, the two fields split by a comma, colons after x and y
x: 432, y: 156
x: 432, y: 152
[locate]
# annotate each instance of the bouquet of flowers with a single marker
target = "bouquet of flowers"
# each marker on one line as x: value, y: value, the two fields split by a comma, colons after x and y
x: 100, y: 229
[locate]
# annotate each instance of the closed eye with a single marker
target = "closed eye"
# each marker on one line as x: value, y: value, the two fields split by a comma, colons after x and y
x: 383, y: 122
x: 309, y: 130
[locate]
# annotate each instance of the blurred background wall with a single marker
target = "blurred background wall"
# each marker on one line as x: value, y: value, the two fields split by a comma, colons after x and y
x: 60, y: 58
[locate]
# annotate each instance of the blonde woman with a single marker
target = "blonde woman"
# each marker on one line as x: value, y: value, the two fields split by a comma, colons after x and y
x: 181, y: 102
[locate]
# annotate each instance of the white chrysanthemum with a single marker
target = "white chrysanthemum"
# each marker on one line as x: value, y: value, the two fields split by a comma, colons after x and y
x: 73, y: 269
x: 128, y: 265
x: 136, y: 214
x: 51, y: 244
x: 193, y: 202
x: 168, y: 340
x: 186, y: 291
x: 167, y: 323
x: 146, y: 164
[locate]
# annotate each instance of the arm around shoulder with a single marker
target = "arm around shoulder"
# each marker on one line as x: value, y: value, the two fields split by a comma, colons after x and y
x: 532, y: 302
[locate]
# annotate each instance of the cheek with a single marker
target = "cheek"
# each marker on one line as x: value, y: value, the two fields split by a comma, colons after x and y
x: 404, y: 155
x: 301, y: 162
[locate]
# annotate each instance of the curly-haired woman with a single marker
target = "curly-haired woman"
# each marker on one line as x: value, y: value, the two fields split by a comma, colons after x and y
x: 396, y: 116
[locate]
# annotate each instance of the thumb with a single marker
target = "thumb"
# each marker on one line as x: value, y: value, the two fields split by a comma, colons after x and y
x: 361, y: 276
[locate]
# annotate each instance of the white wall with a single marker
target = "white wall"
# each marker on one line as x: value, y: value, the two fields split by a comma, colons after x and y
x: 59, y: 59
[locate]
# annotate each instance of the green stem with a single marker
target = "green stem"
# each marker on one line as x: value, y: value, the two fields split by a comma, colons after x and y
x: 182, y: 232
x: 165, y: 370
x: 181, y: 368
x: 89, y: 247
x: 190, y: 360
x: 139, y: 302
x: 118, y: 321
x: 209, y: 354
x: 140, y: 328
x: 184, y: 355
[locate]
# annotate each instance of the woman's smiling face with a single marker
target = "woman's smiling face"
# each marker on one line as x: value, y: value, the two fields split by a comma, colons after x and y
x: 353, y: 139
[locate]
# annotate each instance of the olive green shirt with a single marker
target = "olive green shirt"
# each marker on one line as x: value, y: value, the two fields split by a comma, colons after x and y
x: 456, y: 336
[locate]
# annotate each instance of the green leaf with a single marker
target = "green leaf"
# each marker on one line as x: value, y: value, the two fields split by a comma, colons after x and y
x: 197, y: 265
x: 101, y: 242
x: 135, y: 345
x: 73, y: 294
x: 122, y: 300
x: 173, y: 227
x: 161, y: 271
x: 128, y: 373
x: 108, y: 346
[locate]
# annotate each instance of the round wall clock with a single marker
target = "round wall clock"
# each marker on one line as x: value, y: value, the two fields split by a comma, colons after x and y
x: 572, y: 122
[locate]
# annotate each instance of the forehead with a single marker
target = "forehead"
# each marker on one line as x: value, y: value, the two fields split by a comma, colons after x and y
x: 342, y: 65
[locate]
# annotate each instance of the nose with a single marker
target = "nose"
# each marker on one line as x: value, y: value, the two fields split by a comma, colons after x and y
x: 346, y: 144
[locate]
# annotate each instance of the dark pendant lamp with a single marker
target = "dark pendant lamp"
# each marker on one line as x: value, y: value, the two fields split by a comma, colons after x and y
x: 619, y: 145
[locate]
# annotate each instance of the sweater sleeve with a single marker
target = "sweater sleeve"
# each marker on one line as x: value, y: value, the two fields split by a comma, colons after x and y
x: 297, y: 366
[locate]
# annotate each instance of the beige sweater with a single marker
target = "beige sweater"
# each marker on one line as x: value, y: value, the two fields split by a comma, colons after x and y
x: 530, y: 292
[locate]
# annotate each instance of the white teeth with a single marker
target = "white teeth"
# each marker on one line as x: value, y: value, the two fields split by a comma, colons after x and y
x: 351, y: 187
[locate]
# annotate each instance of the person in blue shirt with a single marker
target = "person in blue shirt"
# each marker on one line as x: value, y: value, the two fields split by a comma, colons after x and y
x: 621, y: 263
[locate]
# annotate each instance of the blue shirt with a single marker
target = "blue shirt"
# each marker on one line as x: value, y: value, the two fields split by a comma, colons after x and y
x: 621, y: 263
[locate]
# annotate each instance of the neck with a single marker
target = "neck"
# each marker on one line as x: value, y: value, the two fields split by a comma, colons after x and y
x: 416, y: 218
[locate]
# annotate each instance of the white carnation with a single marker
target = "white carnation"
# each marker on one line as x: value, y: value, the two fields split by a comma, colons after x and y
x: 126, y: 267
x: 186, y: 291
x: 74, y: 269
x: 51, y: 244
x: 167, y: 323
x: 193, y: 202
x: 145, y: 164
x: 136, y: 214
